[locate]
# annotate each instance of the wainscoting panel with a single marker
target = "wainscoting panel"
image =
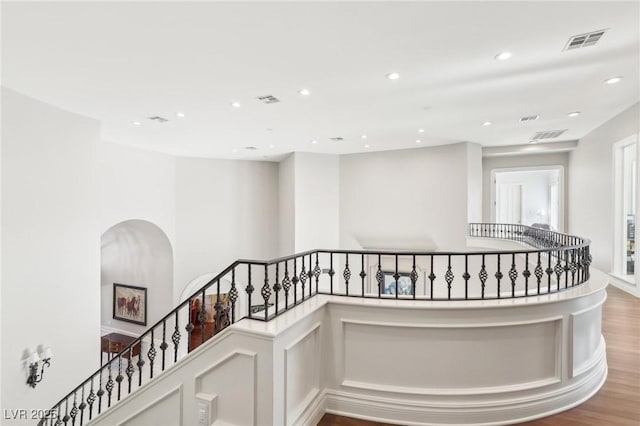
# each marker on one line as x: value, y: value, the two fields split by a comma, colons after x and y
x: 432, y: 359
x: 164, y: 411
x: 233, y: 381
x: 302, y: 378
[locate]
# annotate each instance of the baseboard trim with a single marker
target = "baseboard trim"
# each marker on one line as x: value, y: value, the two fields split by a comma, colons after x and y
x: 500, y: 411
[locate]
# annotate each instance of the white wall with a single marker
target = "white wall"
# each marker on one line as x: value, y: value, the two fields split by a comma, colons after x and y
x: 516, y: 161
x: 591, y: 184
x: 225, y: 210
x: 317, y: 189
x: 136, y: 252
x: 287, y: 206
x: 404, y: 199
x: 137, y: 184
x: 474, y: 182
x: 50, y: 248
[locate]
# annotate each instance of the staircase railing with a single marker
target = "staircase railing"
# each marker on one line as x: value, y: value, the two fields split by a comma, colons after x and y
x: 548, y: 262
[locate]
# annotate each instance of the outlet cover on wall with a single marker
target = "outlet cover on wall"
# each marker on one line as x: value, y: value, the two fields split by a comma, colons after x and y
x: 207, y: 406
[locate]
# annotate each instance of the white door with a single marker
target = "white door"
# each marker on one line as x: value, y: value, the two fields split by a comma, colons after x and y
x: 509, y: 203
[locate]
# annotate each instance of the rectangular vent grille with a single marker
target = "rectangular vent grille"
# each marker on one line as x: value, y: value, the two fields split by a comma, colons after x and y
x: 584, y: 40
x: 337, y: 139
x: 268, y: 99
x: 529, y: 118
x: 548, y: 134
x: 158, y: 119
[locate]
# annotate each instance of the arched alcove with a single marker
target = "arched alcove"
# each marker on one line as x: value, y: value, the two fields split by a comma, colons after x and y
x: 137, y: 253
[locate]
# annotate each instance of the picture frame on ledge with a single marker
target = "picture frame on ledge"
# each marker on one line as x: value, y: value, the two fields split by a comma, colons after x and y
x: 403, y: 286
x: 130, y: 303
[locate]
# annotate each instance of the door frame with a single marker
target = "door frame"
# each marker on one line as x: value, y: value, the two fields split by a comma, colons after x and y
x: 561, y: 188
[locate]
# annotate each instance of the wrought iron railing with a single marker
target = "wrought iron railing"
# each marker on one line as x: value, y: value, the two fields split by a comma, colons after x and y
x: 261, y: 290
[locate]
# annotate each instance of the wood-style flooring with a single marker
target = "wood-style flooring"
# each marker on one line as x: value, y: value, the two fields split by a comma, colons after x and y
x: 618, y: 402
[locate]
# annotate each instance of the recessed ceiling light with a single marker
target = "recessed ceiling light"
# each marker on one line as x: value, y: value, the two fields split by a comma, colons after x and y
x: 367, y: 146
x: 613, y: 80
x: 420, y: 130
x: 271, y: 146
x: 418, y: 141
x: 574, y: 114
x: 393, y: 76
x: 363, y: 136
x: 235, y: 104
x: 314, y: 141
x: 503, y: 56
x: 136, y: 123
x: 487, y: 123
x: 533, y: 142
x: 234, y: 150
x: 250, y: 148
x: 304, y: 92
x: 180, y: 114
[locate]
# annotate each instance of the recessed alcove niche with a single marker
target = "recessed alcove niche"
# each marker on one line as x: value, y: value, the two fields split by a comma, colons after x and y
x: 139, y: 253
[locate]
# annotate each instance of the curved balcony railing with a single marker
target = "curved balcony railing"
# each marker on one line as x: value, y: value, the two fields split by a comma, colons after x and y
x: 547, y: 262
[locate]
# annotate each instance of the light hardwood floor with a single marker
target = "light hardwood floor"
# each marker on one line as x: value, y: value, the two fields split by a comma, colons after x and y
x: 618, y: 402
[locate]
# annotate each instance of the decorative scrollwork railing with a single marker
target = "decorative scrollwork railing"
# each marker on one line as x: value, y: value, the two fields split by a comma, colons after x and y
x: 547, y: 262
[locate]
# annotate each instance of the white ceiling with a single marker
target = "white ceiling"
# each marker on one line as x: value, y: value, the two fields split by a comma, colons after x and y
x: 124, y: 62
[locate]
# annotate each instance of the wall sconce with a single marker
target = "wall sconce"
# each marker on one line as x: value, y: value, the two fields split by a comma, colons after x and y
x: 34, y: 361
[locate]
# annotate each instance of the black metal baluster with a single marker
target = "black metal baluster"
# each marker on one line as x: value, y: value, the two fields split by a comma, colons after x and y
x: 175, y: 338
x: 379, y: 276
x: 217, y: 307
x: 100, y: 392
x: 294, y: 281
x: 202, y: 316
x: 91, y: 398
x: 317, y: 271
x: 303, y: 277
x: 128, y: 371
x: 414, y: 277
x: 233, y: 295
x: 346, y: 274
x: 109, y: 385
x: 558, y: 269
x: 513, y: 274
x: 82, y: 405
x: 466, y: 277
x: 310, y: 275
x: 120, y: 377
x: 526, y: 273
x: 538, y: 272
x: 286, y: 284
x: 266, y: 292
x: 448, y: 277
x: 151, y: 354
x: 277, y: 286
x: 190, y: 325
x: 573, y: 267
x: 498, y: 276
x: 249, y: 289
x: 483, y: 275
x: 164, y: 345
x: 66, y: 417
x: 139, y: 364
x: 331, y: 272
x: 396, y: 276
x: 549, y: 271
x: 74, y: 409
x: 566, y: 268
x: 363, y: 274
x: 432, y: 277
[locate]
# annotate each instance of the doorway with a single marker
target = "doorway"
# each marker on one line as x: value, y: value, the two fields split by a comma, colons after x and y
x: 531, y: 196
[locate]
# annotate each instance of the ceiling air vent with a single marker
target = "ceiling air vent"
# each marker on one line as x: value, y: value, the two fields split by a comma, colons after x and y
x: 529, y: 118
x: 268, y: 99
x: 337, y: 139
x: 584, y: 40
x: 158, y: 119
x: 250, y: 148
x: 548, y: 134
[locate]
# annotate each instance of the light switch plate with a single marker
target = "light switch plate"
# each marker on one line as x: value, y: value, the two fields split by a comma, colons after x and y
x: 207, y: 406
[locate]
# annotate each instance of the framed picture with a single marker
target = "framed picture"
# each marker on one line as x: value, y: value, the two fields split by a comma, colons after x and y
x: 402, y: 287
x: 130, y: 303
